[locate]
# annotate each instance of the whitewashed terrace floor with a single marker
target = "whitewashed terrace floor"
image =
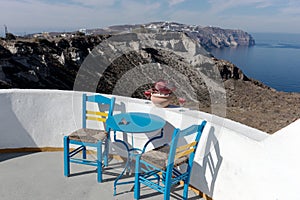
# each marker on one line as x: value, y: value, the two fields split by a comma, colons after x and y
x: 31, y: 176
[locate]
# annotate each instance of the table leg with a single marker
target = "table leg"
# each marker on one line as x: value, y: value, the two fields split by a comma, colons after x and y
x: 122, y: 173
x: 129, y: 159
x: 154, y: 138
x: 127, y: 164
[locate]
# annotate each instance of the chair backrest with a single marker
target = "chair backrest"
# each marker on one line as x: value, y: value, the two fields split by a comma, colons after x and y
x: 93, y: 114
x: 185, y: 151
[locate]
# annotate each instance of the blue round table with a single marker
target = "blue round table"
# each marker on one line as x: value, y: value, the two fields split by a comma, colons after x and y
x: 134, y: 122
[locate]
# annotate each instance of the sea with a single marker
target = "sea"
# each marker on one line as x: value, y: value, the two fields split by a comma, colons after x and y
x: 273, y: 60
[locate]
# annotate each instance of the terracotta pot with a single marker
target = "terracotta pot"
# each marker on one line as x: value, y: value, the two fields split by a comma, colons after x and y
x: 161, y: 100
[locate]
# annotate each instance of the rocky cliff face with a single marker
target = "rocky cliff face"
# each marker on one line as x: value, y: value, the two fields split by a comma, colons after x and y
x: 58, y: 63
x: 40, y: 63
x: 213, y: 37
x: 208, y: 37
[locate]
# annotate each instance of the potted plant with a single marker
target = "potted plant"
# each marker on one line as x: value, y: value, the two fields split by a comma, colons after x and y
x: 161, y: 94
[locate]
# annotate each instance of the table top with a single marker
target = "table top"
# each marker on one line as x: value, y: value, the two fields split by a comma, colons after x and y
x: 135, y: 122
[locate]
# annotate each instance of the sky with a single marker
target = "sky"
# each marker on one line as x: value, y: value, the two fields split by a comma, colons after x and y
x: 28, y: 16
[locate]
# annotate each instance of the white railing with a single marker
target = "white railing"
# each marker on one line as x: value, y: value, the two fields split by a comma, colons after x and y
x: 234, y: 161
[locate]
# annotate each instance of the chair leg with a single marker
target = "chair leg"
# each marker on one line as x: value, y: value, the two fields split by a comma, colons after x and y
x: 66, y: 156
x: 84, y: 152
x: 158, y: 180
x: 99, y: 161
x: 186, y: 183
x: 167, y: 194
x: 106, y: 153
x: 185, y: 190
x: 137, y: 184
x: 168, y: 182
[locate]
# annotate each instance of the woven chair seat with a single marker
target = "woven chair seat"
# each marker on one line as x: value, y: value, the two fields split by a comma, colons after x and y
x: 88, y: 135
x: 158, y: 157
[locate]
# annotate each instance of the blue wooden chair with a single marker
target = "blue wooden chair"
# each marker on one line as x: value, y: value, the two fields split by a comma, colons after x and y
x: 162, y: 164
x: 87, y: 137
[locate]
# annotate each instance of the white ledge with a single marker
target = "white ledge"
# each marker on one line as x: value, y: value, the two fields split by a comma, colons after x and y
x: 234, y: 161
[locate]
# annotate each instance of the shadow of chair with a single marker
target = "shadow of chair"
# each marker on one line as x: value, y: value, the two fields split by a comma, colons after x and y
x: 207, y: 170
x: 158, y: 168
x: 95, y: 108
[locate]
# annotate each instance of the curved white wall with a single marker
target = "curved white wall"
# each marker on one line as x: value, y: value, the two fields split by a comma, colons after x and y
x: 234, y: 161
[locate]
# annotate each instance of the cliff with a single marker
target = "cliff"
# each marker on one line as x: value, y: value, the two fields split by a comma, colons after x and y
x: 42, y: 63
x: 214, y: 37
x: 61, y: 62
x: 209, y: 37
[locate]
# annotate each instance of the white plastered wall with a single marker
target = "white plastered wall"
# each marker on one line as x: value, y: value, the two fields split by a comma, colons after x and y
x: 233, y: 162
